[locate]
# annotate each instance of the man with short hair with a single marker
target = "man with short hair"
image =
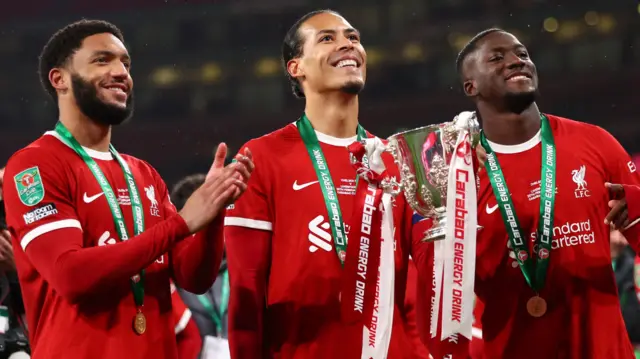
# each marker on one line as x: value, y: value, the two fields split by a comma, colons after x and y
x: 543, y: 269
x: 96, y: 237
x: 284, y: 237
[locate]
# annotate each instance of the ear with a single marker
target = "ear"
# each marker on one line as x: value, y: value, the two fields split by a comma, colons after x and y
x: 294, y: 68
x: 470, y: 89
x: 58, y: 79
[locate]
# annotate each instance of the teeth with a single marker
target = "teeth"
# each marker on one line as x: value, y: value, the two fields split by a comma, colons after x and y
x: 344, y: 63
x: 519, y: 77
x: 117, y: 89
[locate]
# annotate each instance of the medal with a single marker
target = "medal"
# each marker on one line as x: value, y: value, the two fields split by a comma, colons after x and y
x: 536, y: 306
x: 140, y: 323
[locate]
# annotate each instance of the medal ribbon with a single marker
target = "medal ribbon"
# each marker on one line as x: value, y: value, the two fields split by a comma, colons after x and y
x: 520, y: 244
x: 137, y: 282
x: 326, y: 183
x: 217, y: 315
x: 367, y: 296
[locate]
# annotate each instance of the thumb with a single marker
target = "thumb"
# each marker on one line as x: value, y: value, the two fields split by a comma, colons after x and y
x: 221, y: 154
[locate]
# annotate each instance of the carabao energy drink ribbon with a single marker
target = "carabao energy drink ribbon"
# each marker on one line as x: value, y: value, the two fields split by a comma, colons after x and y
x: 369, y: 270
x: 455, y: 256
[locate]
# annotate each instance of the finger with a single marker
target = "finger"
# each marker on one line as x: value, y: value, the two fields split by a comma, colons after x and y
x: 221, y: 154
x: 243, y: 171
x: 246, y: 161
x: 616, y: 191
x: 241, y: 185
x: 621, y: 219
x: 614, y: 213
x: 247, y: 152
x: 612, y: 203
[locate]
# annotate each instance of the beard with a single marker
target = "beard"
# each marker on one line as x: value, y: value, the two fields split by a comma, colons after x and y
x: 352, y: 88
x: 94, y: 108
x: 518, y: 102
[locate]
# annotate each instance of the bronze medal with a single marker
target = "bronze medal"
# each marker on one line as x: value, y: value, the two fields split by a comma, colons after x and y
x: 536, y: 306
x: 140, y: 323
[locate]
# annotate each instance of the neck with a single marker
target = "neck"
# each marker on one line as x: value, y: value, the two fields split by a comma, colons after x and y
x: 508, y: 128
x: 86, y: 131
x: 334, y: 114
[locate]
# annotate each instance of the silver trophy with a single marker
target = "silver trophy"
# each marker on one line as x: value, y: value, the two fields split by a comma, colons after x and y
x: 423, y: 156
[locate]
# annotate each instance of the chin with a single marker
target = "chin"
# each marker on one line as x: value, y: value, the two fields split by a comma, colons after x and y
x: 517, y: 102
x: 353, y: 87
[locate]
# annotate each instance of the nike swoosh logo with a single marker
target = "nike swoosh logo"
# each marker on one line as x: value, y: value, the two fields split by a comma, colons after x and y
x: 491, y: 209
x: 92, y: 198
x: 297, y: 187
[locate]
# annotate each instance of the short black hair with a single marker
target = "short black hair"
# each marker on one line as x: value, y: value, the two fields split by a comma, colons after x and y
x: 65, y: 42
x: 292, y: 47
x: 185, y: 188
x: 471, y: 46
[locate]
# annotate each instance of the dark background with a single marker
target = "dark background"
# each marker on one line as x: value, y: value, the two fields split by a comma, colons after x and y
x: 209, y: 71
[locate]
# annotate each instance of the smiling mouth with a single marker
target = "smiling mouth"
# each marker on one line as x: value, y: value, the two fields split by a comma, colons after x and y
x: 347, y: 63
x: 116, y: 89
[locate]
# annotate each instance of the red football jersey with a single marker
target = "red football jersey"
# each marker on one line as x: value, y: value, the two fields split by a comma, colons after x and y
x: 302, y: 318
x: 48, y: 187
x: 583, y: 318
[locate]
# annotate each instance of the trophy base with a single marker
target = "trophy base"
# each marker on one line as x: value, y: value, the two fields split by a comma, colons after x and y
x: 439, y: 229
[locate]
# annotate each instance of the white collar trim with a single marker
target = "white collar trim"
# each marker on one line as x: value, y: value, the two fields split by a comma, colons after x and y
x: 334, y: 141
x: 522, y: 147
x: 105, y: 156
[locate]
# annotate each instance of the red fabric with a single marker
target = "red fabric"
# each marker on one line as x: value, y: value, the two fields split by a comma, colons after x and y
x: 75, y: 282
x: 410, y: 313
x: 583, y: 320
x: 248, y: 258
x: 188, y: 337
x: 632, y: 195
x: 189, y: 341
x: 301, y: 308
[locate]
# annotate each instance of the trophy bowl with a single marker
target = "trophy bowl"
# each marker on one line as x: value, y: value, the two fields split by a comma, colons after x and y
x: 423, y: 156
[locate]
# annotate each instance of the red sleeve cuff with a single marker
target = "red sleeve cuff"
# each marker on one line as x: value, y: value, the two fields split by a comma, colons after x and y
x: 182, y: 230
x: 632, y: 195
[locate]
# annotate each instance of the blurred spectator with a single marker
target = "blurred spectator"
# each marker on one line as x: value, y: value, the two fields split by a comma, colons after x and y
x: 6, y: 251
x: 210, y: 309
x: 624, y: 261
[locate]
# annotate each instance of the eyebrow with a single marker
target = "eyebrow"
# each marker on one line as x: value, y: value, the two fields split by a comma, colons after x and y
x: 333, y: 32
x: 503, y: 48
x: 110, y: 54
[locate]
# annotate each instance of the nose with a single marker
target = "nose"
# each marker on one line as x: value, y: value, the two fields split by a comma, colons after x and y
x: 344, y: 43
x: 119, y: 70
x: 515, y: 61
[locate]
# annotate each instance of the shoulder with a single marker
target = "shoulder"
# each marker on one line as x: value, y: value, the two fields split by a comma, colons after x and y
x: 274, y: 141
x: 45, y: 152
x: 574, y: 127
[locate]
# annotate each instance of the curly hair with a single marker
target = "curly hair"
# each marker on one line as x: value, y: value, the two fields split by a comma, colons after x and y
x: 65, y: 42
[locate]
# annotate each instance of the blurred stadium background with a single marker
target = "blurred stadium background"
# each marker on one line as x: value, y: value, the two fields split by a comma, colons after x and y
x: 209, y: 71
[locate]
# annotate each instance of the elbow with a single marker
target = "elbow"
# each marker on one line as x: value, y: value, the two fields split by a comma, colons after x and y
x: 70, y: 292
x: 197, y: 284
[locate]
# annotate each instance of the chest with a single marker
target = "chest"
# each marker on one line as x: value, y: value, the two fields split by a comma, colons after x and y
x: 578, y: 212
x: 93, y: 210
x: 306, y: 204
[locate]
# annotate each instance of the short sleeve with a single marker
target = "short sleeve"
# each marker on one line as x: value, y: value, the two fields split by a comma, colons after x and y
x: 252, y: 209
x: 620, y: 167
x: 37, y: 196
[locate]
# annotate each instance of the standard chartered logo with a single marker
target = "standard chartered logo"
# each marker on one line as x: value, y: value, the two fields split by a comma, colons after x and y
x: 569, y: 234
